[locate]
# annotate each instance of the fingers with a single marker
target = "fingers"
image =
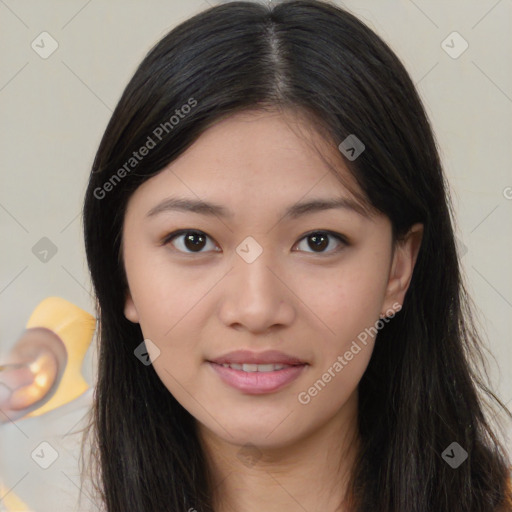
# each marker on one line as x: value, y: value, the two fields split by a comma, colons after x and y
x: 12, y: 378
x: 44, y: 370
x: 24, y: 385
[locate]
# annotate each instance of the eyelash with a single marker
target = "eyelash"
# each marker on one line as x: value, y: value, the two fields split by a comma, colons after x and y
x: 341, y: 238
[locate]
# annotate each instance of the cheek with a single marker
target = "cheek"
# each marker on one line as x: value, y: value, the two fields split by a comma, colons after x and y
x: 351, y: 299
x: 173, y: 305
x: 349, y: 306
x: 163, y: 293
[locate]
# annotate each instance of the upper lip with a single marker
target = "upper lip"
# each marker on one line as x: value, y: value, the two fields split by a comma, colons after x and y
x: 247, y: 356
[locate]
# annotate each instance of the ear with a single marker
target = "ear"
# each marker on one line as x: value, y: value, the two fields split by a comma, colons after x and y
x: 404, y: 258
x: 130, y: 311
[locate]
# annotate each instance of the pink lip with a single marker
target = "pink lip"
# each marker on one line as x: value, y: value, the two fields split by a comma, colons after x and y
x: 267, y: 357
x: 258, y: 383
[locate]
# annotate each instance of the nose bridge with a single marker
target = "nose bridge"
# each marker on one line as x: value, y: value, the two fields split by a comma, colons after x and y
x: 254, y: 272
x: 256, y: 296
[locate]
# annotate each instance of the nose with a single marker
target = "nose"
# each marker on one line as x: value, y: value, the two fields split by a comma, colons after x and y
x: 257, y: 296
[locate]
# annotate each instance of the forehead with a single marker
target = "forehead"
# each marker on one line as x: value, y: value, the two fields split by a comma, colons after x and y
x: 254, y: 159
x: 258, y: 146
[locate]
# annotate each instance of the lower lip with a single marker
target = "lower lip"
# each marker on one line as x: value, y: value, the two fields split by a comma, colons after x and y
x: 258, y: 383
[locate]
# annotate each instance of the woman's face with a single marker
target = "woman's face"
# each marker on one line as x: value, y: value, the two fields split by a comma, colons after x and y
x: 258, y: 272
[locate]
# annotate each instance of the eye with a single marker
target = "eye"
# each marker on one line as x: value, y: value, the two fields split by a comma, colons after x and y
x: 193, y: 241
x: 319, y: 240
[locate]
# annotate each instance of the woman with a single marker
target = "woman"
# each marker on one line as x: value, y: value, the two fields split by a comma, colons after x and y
x: 283, y: 324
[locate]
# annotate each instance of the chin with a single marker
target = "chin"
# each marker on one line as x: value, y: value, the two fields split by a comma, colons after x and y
x: 265, y: 435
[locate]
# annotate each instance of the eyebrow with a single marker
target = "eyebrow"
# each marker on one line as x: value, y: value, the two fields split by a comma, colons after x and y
x: 292, y: 212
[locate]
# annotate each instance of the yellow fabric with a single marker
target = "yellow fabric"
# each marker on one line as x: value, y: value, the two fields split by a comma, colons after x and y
x: 11, y: 502
x: 75, y: 327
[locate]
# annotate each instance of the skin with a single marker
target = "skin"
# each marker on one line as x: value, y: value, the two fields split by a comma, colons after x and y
x: 196, y: 305
x: 23, y: 389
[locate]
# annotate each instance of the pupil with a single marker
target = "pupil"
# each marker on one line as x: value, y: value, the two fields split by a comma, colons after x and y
x: 189, y: 241
x: 317, y: 241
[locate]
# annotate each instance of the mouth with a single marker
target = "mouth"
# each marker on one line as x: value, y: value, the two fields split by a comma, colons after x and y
x: 263, y: 368
x: 255, y: 377
x: 250, y: 360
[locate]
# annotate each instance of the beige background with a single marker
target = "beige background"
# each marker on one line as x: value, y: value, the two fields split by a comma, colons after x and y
x: 53, y: 113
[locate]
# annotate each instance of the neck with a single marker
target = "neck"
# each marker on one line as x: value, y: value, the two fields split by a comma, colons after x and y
x: 309, y: 473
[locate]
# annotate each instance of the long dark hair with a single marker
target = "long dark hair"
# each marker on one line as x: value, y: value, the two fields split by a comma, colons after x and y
x: 422, y: 389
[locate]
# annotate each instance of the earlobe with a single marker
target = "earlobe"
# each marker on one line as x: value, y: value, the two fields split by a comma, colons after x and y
x: 404, y: 260
x: 130, y: 311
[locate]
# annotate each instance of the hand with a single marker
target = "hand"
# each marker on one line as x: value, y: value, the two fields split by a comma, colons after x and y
x: 31, y: 373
